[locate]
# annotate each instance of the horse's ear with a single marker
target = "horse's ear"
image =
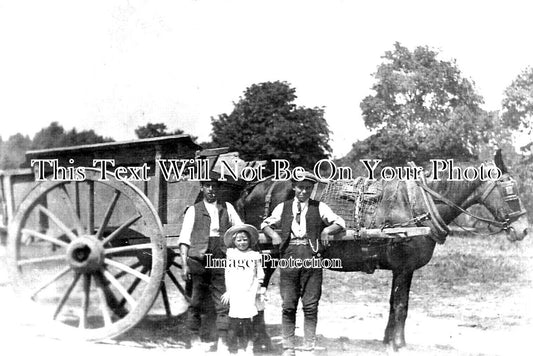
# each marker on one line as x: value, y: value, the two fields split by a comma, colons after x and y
x: 498, y: 161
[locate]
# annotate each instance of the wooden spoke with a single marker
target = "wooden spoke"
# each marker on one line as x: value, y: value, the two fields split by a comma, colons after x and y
x: 133, y: 286
x: 58, y: 222
x: 72, y: 210
x: 65, y: 296
x: 120, y: 229
x: 90, y: 208
x: 44, y: 237
x: 85, y: 301
x: 77, y: 198
x: 166, y: 302
x: 107, y: 215
x: 126, y: 268
x: 95, y: 299
x: 120, y: 289
x: 122, y: 273
x: 103, y: 300
x: 178, y: 285
x: 50, y: 281
x: 40, y: 260
x: 138, y: 247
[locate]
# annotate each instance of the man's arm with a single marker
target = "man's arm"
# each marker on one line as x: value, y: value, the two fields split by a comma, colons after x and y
x: 184, y: 241
x: 234, y: 218
x: 335, y: 223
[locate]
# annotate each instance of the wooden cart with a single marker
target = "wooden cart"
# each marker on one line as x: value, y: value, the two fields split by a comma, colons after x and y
x: 90, y: 253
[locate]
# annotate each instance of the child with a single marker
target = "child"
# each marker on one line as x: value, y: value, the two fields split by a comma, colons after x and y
x: 244, y: 275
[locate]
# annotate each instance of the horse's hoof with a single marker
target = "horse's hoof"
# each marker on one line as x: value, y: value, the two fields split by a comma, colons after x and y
x: 393, y: 347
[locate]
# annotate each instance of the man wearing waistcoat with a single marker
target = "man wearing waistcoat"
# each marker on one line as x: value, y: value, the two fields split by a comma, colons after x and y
x: 202, y: 234
x: 304, y: 223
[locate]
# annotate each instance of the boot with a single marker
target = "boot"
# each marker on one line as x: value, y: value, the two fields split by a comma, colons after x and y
x: 197, y: 345
x: 288, y: 352
x: 262, y: 342
x: 222, y: 347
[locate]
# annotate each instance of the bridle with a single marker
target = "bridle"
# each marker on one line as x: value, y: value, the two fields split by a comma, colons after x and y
x: 507, y: 186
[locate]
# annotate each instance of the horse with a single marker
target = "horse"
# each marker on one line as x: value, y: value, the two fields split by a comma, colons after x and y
x: 434, y: 204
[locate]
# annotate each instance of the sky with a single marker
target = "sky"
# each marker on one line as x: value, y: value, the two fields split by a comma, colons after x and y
x: 112, y: 66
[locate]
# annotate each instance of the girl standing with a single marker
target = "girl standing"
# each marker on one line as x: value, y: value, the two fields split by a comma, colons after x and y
x: 244, y: 275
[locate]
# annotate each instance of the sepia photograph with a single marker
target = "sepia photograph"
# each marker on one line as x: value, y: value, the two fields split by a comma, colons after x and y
x: 293, y: 178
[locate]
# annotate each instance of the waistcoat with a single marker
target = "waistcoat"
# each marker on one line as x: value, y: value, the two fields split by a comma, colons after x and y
x: 200, y: 229
x: 314, y: 223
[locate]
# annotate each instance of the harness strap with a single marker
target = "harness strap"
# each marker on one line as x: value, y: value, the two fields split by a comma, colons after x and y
x: 268, y: 200
x: 440, y: 226
x: 487, y: 191
x: 453, y: 205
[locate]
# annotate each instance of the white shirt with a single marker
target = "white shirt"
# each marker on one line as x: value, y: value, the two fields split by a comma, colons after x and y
x: 188, y: 221
x: 299, y: 230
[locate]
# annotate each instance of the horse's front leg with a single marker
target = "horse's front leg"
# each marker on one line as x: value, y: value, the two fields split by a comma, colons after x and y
x: 399, y: 301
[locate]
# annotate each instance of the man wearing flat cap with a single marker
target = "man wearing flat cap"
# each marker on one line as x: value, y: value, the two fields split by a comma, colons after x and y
x: 204, y: 226
x: 304, y: 222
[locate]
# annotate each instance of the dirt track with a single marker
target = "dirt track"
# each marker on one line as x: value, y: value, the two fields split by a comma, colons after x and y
x: 474, y: 298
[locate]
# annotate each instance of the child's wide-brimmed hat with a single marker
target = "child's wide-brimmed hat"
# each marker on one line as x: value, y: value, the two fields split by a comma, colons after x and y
x: 250, y: 229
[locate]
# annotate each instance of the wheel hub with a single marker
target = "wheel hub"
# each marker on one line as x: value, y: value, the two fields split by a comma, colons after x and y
x: 85, y: 254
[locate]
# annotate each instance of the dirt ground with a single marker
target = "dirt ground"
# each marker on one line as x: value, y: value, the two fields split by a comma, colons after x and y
x: 475, y: 297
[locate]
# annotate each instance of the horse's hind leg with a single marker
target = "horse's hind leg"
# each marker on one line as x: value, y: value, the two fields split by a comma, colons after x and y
x: 399, y: 300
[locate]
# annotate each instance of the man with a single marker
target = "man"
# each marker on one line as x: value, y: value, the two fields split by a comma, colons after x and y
x: 202, y: 234
x: 303, y: 222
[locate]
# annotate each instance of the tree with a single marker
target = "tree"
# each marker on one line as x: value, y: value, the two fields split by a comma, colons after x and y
x: 85, y: 137
x: 266, y: 123
x: 157, y: 130
x: 518, y: 102
x: 55, y: 136
x: 422, y: 108
x: 49, y: 137
x: 13, y: 150
x: 517, y: 114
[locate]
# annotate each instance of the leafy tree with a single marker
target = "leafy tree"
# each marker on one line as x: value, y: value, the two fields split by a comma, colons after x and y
x: 518, y: 102
x: 49, y: 137
x: 422, y: 108
x: 56, y: 136
x: 152, y: 130
x: 13, y: 150
x: 157, y: 130
x: 85, y: 137
x: 517, y: 115
x: 266, y: 124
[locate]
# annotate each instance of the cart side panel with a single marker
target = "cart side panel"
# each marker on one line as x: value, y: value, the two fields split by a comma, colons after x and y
x: 180, y: 195
x: 15, y: 186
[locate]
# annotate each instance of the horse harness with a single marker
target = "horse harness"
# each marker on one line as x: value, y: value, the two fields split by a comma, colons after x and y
x: 507, y: 186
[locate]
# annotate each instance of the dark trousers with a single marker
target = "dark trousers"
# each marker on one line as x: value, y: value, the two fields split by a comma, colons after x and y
x: 240, y: 332
x: 295, y: 284
x: 210, y: 284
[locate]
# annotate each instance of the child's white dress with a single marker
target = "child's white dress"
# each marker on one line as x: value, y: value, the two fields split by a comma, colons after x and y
x: 244, y: 275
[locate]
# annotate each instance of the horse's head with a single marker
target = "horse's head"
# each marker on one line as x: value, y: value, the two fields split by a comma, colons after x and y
x: 502, y: 200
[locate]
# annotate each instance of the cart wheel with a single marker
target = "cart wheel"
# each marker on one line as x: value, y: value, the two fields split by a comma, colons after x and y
x: 74, y: 250
x: 172, y: 285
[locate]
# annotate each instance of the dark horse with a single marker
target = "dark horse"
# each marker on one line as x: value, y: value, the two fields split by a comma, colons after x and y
x: 404, y: 203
